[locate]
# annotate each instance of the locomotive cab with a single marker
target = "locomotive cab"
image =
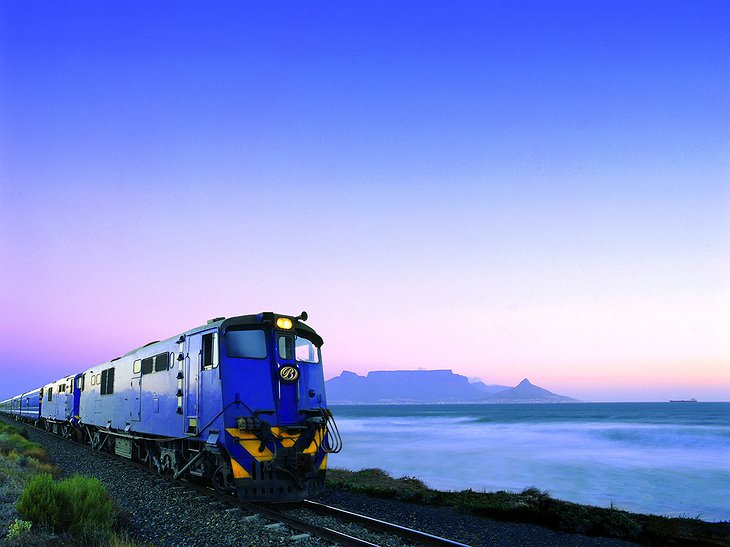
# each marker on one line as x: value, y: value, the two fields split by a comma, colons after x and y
x: 275, y: 414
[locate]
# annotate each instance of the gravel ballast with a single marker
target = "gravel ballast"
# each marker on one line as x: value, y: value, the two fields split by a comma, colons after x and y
x: 163, y: 515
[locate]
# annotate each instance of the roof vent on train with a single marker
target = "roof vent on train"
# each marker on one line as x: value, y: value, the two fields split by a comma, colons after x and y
x: 215, y: 319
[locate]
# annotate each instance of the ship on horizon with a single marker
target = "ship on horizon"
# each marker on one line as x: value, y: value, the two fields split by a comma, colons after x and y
x: 692, y: 400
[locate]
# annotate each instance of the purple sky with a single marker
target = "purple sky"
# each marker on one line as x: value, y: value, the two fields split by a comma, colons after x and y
x: 506, y: 189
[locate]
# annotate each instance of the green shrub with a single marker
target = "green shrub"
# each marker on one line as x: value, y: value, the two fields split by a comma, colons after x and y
x: 91, y: 508
x: 18, y: 529
x: 39, y: 503
x: 79, y: 505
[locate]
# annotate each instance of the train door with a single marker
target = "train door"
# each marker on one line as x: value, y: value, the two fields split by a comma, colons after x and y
x: 135, y: 395
x: 202, y: 380
x: 68, y: 409
x: 192, y: 377
x: 287, y: 374
x: 54, y: 402
x: 209, y: 397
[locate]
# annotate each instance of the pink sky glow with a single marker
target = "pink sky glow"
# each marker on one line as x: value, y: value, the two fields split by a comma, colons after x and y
x: 503, y: 195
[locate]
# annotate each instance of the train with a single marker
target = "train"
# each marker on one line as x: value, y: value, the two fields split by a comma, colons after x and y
x: 238, y: 402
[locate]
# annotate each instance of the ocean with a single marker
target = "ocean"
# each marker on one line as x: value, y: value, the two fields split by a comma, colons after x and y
x: 661, y: 458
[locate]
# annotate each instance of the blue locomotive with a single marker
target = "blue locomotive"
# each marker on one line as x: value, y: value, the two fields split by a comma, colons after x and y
x: 239, y: 402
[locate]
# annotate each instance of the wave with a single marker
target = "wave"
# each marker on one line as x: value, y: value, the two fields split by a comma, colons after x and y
x: 652, y: 468
x: 704, y: 437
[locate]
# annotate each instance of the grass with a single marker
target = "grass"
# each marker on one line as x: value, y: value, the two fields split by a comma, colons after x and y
x: 75, y: 510
x: 9, y: 429
x: 20, y: 457
x: 537, y: 507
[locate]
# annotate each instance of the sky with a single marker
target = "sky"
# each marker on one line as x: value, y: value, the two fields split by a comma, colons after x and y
x: 506, y: 189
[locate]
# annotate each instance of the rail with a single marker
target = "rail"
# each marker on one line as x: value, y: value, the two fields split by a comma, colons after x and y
x: 324, y: 532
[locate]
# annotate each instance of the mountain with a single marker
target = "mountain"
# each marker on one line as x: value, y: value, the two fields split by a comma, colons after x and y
x: 526, y: 392
x: 428, y: 387
x: 489, y: 388
x: 401, y: 386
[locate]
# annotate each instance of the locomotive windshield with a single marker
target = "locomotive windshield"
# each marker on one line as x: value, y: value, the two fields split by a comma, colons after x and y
x: 250, y: 344
x: 306, y: 351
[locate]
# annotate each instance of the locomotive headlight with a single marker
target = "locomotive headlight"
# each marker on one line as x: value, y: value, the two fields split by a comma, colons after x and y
x: 284, y: 323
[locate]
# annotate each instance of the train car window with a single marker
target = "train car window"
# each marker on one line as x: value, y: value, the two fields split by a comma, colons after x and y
x: 162, y: 362
x: 50, y: 393
x: 137, y: 366
x: 98, y: 378
x: 107, y: 381
x: 147, y: 365
x: 285, y: 347
x: 210, y: 355
x: 80, y: 383
x: 305, y: 351
x: 250, y: 344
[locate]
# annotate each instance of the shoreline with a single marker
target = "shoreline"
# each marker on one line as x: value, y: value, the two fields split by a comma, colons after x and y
x: 531, y: 506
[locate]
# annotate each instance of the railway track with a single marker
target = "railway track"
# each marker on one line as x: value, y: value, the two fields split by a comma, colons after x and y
x: 281, y: 513
x: 309, y: 518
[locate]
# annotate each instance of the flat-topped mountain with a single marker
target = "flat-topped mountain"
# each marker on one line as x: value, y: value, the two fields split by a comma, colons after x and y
x: 401, y: 386
x: 429, y: 387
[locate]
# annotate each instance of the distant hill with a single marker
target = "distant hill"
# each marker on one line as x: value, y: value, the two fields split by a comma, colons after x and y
x: 525, y: 392
x: 429, y: 387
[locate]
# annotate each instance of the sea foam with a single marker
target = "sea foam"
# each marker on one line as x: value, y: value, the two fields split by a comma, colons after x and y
x: 644, y: 458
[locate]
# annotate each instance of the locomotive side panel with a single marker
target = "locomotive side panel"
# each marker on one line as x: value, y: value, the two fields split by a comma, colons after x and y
x: 96, y: 405
x: 16, y: 403
x: 31, y: 405
x: 48, y: 405
x: 152, y: 403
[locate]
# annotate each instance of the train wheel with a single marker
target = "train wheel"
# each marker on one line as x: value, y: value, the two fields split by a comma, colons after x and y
x: 167, y: 464
x: 143, y: 455
x: 223, y: 478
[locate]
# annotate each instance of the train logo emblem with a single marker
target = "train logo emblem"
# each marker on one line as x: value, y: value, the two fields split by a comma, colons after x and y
x: 289, y: 374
